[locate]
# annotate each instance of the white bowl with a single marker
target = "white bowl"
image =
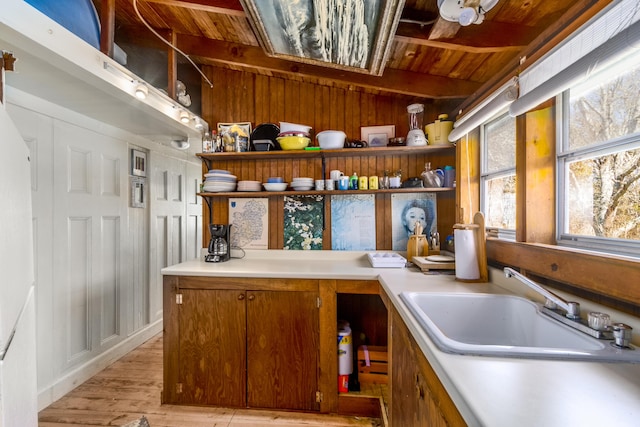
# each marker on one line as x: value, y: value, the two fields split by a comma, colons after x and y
x: 218, y: 188
x: 331, y: 139
x: 275, y: 186
x: 294, y: 127
x: 302, y: 187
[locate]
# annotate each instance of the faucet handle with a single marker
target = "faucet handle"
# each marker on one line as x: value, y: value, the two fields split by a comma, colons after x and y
x: 599, y: 321
x: 573, y: 310
x: 622, y: 334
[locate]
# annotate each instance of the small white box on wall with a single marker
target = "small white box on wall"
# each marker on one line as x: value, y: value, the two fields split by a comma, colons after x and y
x: 137, y: 190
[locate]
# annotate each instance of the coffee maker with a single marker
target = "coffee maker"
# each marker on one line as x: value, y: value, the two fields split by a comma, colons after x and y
x: 219, y: 249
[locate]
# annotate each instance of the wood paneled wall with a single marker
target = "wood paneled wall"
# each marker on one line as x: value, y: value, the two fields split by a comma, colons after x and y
x: 245, y: 97
x: 239, y: 96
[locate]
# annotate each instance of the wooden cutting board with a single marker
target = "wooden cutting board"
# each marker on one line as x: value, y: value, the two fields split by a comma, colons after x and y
x: 425, y: 265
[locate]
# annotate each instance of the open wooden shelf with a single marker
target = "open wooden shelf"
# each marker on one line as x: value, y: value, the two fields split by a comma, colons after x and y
x: 343, y: 152
x: 323, y: 192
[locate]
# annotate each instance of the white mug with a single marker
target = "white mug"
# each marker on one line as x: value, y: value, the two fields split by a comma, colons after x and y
x: 335, y: 174
x: 394, y: 182
x: 328, y: 184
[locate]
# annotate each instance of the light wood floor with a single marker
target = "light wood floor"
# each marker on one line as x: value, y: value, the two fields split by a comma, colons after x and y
x: 131, y: 387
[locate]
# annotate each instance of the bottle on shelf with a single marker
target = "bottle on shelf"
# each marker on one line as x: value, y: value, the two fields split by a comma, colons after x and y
x: 217, y: 142
x: 353, y: 182
x: 207, y: 143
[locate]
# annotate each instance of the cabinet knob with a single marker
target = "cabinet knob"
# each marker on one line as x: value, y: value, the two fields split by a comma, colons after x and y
x: 241, y: 297
x: 252, y: 297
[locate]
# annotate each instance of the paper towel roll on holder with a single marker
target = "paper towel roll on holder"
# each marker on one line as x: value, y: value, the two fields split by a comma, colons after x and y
x: 466, y: 271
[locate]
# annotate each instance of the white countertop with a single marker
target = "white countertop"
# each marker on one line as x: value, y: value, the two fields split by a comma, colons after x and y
x: 488, y: 391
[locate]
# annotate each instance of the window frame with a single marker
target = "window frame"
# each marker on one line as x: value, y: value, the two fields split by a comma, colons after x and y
x: 501, y: 233
x: 564, y: 156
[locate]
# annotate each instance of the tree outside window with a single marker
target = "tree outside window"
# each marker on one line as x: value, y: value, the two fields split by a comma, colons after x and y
x: 602, y: 159
x: 499, y: 173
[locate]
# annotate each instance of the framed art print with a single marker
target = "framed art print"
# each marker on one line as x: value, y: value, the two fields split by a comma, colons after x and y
x: 351, y: 36
x: 375, y: 135
x: 378, y: 140
x: 138, y: 163
x: 250, y: 220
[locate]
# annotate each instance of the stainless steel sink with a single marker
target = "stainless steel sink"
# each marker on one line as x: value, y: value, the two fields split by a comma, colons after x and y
x: 506, y: 326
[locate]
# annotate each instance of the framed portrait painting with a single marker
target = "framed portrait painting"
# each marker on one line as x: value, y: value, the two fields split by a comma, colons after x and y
x: 354, y: 37
x: 408, y: 209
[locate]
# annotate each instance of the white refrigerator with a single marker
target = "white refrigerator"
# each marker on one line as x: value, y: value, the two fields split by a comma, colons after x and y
x: 18, y: 389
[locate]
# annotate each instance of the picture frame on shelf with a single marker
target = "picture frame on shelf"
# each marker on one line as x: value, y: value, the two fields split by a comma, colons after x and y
x: 373, y: 135
x: 378, y: 140
x: 235, y: 136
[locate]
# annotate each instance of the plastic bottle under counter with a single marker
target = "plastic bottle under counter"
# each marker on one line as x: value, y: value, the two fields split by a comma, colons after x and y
x: 345, y: 356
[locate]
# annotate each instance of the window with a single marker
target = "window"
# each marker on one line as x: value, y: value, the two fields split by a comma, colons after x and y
x: 599, y: 162
x: 498, y: 174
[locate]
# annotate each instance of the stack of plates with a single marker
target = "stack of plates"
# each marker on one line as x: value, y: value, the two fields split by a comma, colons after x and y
x: 218, y: 180
x: 249, y: 186
x: 302, y: 184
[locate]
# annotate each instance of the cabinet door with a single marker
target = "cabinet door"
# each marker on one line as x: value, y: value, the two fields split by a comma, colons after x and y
x: 212, y: 359
x: 405, y: 403
x: 282, y: 349
x: 418, y: 397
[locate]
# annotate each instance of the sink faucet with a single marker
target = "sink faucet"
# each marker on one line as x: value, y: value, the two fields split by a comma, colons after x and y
x: 552, y: 300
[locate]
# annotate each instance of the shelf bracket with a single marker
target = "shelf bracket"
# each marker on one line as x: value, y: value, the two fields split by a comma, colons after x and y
x: 207, y: 162
x: 207, y: 200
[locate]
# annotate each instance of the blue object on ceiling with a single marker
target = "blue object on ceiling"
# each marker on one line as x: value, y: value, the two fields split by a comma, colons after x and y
x: 78, y: 16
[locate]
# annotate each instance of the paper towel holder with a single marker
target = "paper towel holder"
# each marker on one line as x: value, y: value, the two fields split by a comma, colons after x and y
x: 481, y: 246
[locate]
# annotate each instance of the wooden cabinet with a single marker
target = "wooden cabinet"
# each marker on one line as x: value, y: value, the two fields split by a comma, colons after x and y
x: 418, y: 398
x: 241, y: 343
x: 271, y: 343
x: 282, y: 349
x: 212, y: 347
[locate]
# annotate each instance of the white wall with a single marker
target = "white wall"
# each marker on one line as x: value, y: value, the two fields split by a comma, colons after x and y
x: 98, y: 260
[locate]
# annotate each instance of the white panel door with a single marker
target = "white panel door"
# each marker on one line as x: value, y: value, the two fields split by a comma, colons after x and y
x: 89, y: 222
x: 168, y: 231
x: 194, y: 211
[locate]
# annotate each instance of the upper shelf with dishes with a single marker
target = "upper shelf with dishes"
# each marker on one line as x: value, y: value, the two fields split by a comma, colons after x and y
x: 319, y: 153
x: 236, y: 141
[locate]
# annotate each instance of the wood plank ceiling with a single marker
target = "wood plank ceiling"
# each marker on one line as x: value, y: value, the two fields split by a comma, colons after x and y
x: 429, y: 57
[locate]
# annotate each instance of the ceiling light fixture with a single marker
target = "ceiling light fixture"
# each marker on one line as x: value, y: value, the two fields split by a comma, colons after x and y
x: 142, y: 91
x: 180, y: 144
x: 469, y: 15
x: 465, y: 12
x: 184, y: 117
